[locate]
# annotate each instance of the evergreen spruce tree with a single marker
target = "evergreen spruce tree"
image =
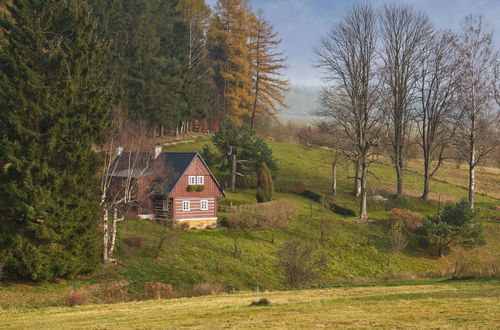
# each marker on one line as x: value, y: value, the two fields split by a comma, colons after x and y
x: 53, y: 110
x: 265, y: 185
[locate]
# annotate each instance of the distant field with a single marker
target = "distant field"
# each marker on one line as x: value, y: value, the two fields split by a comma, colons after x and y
x: 440, y: 305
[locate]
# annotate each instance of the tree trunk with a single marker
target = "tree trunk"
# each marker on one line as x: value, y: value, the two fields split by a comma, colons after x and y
x: 162, y: 130
x: 273, y: 238
x: 334, y: 178
x: 362, y: 200
x: 113, y: 232
x: 427, y: 177
x: 357, y: 179
x: 472, y: 178
x: 233, y: 172
x: 105, y: 236
x: 399, y: 174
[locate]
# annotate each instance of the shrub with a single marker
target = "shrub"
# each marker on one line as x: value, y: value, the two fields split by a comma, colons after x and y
x: 115, y: 292
x: 290, y: 186
x: 77, y: 298
x: 260, y: 302
x: 410, y: 219
x: 199, y: 188
x: 265, y: 185
x: 397, y: 236
x: 133, y: 241
x: 467, y: 269
x: 159, y: 291
x: 191, y: 187
x: 329, y: 203
x: 207, y: 289
x: 301, y: 262
x: 271, y: 216
x: 454, y: 226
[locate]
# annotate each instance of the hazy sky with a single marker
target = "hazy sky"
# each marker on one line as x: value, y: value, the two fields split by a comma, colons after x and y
x: 302, y: 23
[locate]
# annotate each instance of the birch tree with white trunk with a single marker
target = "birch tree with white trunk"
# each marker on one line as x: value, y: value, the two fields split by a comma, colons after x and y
x: 480, y: 120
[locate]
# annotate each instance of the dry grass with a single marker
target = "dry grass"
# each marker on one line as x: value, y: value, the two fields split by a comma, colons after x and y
x: 488, y: 178
x: 451, y: 304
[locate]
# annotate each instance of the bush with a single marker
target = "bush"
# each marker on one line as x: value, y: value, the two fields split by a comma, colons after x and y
x: 410, y: 219
x: 315, y: 196
x: 114, y: 292
x: 159, y: 291
x: 271, y: 216
x: 133, y: 241
x: 265, y: 185
x: 207, y: 289
x: 260, y: 302
x: 290, y: 186
x: 77, y: 298
x: 397, y: 236
x: 329, y: 203
x: 301, y: 262
x: 454, y: 226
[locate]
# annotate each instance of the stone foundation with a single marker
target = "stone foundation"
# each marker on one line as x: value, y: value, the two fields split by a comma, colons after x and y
x: 199, y: 224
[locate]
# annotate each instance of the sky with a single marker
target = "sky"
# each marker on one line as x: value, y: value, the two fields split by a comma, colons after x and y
x: 302, y: 23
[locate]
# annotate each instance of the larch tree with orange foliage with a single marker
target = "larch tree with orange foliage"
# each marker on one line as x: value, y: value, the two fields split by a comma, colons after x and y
x: 229, y: 35
x: 267, y: 66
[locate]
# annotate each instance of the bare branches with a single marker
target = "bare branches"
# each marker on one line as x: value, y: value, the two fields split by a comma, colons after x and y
x: 347, y: 62
x: 476, y: 69
x: 435, y: 113
x: 404, y: 34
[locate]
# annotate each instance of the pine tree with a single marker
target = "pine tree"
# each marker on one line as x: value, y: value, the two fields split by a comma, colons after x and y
x: 229, y: 36
x: 267, y: 67
x: 265, y: 185
x: 52, y: 112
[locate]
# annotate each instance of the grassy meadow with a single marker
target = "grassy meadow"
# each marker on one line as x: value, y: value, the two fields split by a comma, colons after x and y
x: 445, y: 304
x: 358, y: 252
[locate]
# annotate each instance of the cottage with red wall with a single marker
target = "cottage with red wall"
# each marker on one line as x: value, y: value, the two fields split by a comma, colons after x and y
x: 172, y: 186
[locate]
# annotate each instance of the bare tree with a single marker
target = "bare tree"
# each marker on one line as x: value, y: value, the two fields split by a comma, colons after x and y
x: 435, y: 110
x: 347, y: 61
x: 477, y: 61
x: 121, y: 173
x: 403, y: 33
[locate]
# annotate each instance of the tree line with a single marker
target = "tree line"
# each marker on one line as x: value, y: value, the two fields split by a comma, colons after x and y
x: 393, y: 79
x: 66, y: 66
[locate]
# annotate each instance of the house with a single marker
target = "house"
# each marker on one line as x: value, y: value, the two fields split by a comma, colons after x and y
x: 169, y: 186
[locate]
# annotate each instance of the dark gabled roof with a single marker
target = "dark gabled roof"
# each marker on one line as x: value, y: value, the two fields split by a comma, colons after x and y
x: 168, y: 166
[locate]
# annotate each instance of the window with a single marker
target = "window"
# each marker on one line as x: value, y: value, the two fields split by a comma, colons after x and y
x: 192, y: 180
x: 165, y: 205
x: 186, y: 205
x: 204, y: 205
x: 200, y: 179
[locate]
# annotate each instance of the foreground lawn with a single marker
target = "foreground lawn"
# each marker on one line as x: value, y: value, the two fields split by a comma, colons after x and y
x: 445, y: 304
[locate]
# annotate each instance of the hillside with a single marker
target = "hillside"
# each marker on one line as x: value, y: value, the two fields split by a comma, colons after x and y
x: 435, y: 305
x: 356, y: 251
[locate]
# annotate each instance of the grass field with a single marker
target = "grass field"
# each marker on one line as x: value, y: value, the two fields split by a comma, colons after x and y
x: 439, y: 305
x: 357, y: 252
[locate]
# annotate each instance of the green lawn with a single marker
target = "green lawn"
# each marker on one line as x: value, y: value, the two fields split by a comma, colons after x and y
x: 439, y: 305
